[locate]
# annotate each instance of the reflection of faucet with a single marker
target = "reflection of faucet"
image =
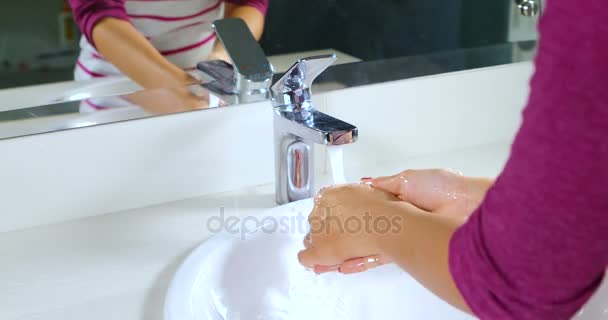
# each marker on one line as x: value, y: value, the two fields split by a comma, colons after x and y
x: 249, y: 76
x: 298, y: 126
x: 529, y: 8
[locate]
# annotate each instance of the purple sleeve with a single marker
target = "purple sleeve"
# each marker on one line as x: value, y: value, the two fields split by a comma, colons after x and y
x: 261, y: 5
x: 537, y: 247
x: 88, y: 12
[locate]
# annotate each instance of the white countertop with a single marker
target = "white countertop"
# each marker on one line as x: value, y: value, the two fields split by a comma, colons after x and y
x: 118, y: 265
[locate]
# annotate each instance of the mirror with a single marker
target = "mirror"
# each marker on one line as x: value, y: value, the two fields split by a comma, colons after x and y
x: 375, y: 41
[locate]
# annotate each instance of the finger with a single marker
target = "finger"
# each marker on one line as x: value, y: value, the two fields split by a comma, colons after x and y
x: 317, y: 222
x: 395, y: 184
x: 307, y: 241
x: 418, y: 187
x: 362, y: 264
x: 318, y: 197
x: 326, y: 196
x: 318, y: 257
x: 325, y: 269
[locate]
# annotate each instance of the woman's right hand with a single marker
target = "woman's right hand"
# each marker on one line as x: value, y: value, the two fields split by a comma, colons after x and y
x: 169, y: 100
x: 440, y: 191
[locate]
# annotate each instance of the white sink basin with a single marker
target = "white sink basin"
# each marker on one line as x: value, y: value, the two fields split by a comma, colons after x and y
x: 256, y: 275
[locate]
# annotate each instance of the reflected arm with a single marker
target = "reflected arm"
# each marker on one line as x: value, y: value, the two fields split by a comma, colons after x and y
x: 127, y: 49
x: 106, y: 25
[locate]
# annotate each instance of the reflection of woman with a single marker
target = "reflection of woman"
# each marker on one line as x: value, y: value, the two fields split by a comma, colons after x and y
x: 154, y: 43
x: 536, y: 246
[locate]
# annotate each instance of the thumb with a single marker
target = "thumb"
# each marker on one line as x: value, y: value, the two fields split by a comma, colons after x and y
x: 413, y: 186
x: 428, y: 189
x: 396, y: 184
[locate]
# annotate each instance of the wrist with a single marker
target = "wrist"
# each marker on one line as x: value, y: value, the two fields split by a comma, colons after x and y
x: 174, y: 78
x: 183, y: 78
x: 388, y: 239
x: 477, y: 187
x: 218, y: 53
x: 421, y: 232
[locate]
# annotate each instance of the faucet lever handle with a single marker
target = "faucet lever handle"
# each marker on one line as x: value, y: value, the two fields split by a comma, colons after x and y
x: 298, y: 79
x: 245, y: 53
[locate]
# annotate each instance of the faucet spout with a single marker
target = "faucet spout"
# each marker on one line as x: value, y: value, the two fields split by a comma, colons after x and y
x: 316, y: 127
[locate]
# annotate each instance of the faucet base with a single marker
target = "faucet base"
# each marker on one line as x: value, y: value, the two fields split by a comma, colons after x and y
x: 294, y: 165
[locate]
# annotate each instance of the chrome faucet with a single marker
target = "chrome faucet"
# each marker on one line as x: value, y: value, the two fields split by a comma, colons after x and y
x: 298, y: 126
x: 529, y: 8
x: 249, y: 76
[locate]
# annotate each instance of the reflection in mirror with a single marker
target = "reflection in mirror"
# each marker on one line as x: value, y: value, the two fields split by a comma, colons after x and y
x: 19, y: 121
x: 101, y: 110
x: 150, y: 45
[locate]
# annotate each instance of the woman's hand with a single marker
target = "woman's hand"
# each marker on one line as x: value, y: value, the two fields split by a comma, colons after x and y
x: 169, y: 100
x: 347, y: 223
x: 219, y: 53
x: 355, y: 227
x: 439, y: 191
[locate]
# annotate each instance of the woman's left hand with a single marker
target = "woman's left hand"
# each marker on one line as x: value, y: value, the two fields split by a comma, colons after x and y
x: 218, y: 53
x: 347, y: 224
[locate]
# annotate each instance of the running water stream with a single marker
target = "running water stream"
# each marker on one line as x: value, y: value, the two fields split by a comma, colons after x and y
x: 336, y: 163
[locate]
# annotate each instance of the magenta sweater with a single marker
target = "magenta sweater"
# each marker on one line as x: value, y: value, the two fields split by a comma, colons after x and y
x: 88, y: 12
x: 537, y: 247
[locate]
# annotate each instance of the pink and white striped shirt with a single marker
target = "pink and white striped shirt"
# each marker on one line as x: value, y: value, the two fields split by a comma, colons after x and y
x: 179, y: 29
